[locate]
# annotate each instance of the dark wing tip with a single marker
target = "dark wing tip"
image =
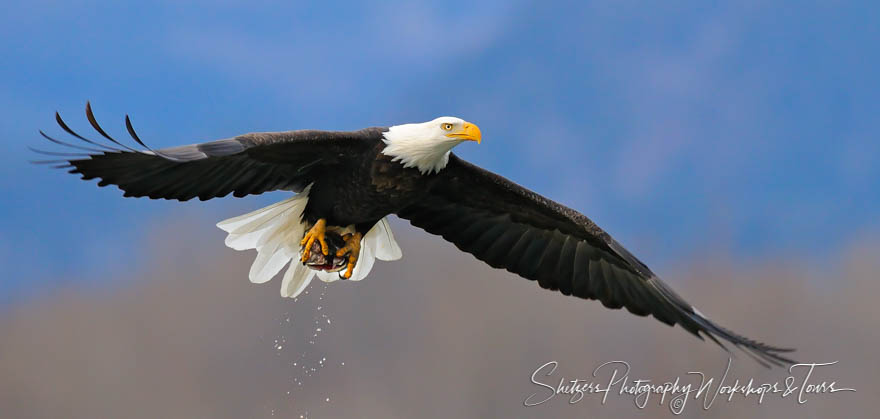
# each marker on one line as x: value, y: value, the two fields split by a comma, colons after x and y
x: 94, y: 122
x: 697, y: 323
x: 131, y: 131
x: 56, y: 153
x: 137, y: 139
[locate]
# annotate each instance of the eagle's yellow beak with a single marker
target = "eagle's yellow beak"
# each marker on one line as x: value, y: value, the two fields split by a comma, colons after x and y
x: 469, y: 132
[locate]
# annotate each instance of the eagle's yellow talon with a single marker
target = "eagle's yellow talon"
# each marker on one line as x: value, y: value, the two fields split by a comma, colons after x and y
x: 315, y: 233
x: 353, y: 247
x: 351, y: 262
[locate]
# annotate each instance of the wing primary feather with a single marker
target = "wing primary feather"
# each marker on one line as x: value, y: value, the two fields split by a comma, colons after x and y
x: 259, y: 181
x: 91, y: 117
x: 546, y: 263
x: 613, y: 291
x: 639, y: 298
x: 190, y: 188
x: 244, y: 180
x: 599, y: 286
x: 471, y: 231
x: 486, y: 239
x: 500, y: 250
x: 138, y: 140
x: 580, y: 280
x: 564, y: 268
x: 528, y: 264
x: 759, y: 357
x: 66, y: 128
x: 54, y: 164
x: 517, y: 248
x: 696, y: 320
x: 47, y: 161
x: 56, y: 153
x: 78, y: 147
x: 226, y: 183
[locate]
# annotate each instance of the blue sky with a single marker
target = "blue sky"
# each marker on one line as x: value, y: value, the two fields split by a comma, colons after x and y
x: 745, y: 127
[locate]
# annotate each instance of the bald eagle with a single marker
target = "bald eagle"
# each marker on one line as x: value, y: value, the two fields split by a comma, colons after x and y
x: 348, y: 183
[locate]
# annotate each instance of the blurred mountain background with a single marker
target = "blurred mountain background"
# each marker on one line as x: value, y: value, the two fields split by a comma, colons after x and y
x: 732, y: 147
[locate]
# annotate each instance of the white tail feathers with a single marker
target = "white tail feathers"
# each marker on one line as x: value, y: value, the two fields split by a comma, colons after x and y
x: 275, y: 231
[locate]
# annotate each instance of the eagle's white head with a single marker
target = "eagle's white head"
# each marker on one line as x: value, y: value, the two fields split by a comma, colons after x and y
x: 426, y: 146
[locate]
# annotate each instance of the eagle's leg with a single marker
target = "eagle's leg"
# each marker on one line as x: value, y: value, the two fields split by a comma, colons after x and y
x: 315, y: 233
x: 353, y: 248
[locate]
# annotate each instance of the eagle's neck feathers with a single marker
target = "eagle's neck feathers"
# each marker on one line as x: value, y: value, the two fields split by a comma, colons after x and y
x: 416, y: 145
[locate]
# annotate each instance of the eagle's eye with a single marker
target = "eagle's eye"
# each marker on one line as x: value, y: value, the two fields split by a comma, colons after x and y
x: 447, y: 126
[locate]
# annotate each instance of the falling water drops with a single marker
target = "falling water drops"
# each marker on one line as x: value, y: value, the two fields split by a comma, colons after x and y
x: 304, y: 362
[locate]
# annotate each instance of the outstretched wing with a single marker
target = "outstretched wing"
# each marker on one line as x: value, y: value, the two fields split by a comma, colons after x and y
x: 247, y: 164
x: 510, y: 227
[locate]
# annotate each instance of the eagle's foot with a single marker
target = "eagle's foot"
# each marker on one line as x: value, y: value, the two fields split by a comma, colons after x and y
x: 315, y: 233
x: 353, y: 248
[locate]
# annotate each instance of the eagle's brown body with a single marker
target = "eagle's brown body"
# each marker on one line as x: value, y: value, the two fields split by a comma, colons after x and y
x: 365, y: 187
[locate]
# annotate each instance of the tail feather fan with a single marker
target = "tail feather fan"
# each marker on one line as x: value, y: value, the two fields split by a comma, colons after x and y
x: 275, y: 232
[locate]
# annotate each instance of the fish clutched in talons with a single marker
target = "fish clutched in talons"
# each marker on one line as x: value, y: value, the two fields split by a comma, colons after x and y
x: 315, y: 234
x: 331, y: 249
x: 353, y: 249
x: 330, y: 262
